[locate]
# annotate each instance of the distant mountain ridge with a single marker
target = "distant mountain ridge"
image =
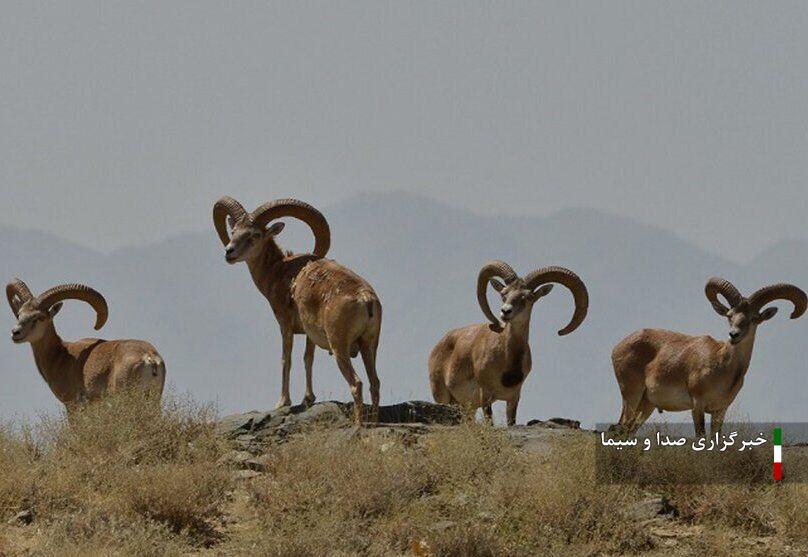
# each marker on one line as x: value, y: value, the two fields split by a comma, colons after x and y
x: 221, y: 342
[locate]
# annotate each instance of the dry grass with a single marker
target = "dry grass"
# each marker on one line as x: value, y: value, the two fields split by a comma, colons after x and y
x: 751, y: 504
x: 124, y: 479
x: 123, y: 476
x: 468, y: 491
x: 465, y: 491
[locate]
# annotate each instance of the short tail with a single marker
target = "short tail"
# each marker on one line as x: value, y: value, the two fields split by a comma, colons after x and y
x: 370, y: 300
x: 154, y: 363
x: 154, y: 372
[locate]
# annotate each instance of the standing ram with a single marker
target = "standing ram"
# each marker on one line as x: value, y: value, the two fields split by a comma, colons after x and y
x: 88, y: 368
x: 670, y: 371
x: 334, y: 307
x: 478, y: 364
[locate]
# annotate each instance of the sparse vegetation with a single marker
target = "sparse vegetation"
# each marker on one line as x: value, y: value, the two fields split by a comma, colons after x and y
x: 125, y: 479
x: 124, y: 476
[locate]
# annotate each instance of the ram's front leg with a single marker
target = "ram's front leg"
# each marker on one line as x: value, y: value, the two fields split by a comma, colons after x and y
x: 511, y: 406
x: 287, y: 336
x: 513, y: 402
x: 698, y: 417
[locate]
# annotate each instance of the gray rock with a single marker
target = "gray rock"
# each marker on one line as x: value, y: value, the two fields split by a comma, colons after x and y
x: 566, y: 422
x: 249, y: 443
x: 418, y: 411
x: 252, y: 429
x: 236, y: 424
x: 539, y: 437
x: 556, y: 423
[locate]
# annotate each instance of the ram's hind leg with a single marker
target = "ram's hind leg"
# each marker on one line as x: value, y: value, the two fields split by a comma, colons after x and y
x: 631, y: 407
x: 632, y: 391
x: 439, y: 363
x: 645, y: 409
x: 368, y: 349
x: 342, y: 353
x: 440, y: 392
x: 630, y: 360
x: 308, y: 362
x: 717, y: 421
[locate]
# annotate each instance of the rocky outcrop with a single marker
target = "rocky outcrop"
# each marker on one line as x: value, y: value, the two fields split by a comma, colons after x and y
x: 251, y: 430
x: 405, y: 422
x: 557, y: 423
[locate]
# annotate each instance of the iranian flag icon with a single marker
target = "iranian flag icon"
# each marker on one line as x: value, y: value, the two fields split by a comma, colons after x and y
x: 778, y: 454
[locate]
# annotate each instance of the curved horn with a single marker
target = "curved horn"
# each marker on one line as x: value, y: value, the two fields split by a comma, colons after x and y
x: 780, y: 291
x: 76, y: 292
x: 221, y: 209
x: 567, y: 278
x: 301, y: 211
x: 716, y: 286
x: 17, y: 288
x: 490, y: 270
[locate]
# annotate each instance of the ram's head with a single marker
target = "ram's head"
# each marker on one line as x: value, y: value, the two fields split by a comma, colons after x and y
x: 519, y: 294
x: 745, y: 314
x: 243, y: 234
x: 35, y: 314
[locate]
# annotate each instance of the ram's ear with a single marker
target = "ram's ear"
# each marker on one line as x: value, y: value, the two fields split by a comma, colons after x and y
x: 275, y: 229
x: 54, y: 309
x: 767, y: 314
x: 498, y: 286
x: 542, y: 291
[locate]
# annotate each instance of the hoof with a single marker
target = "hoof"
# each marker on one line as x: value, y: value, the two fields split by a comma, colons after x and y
x: 308, y: 402
x: 283, y: 404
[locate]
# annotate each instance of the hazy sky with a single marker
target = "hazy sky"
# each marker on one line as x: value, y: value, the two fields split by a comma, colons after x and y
x: 122, y: 123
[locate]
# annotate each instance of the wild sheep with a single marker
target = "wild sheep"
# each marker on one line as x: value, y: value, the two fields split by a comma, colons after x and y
x: 335, y: 308
x: 671, y: 371
x: 475, y: 365
x: 88, y: 368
